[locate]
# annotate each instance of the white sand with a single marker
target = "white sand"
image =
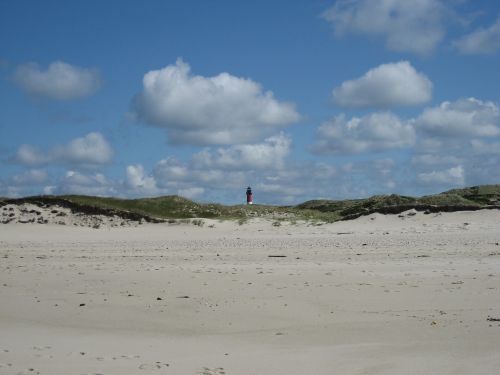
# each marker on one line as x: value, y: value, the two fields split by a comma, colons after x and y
x: 378, y: 295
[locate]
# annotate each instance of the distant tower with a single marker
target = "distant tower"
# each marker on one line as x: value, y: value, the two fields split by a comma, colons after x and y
x: 249, y: 195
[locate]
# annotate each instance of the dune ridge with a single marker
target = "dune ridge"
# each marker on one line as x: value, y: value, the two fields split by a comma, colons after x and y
x: 109, y: 210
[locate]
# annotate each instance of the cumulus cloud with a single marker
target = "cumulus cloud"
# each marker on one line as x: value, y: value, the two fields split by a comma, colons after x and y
x: 269, y: 154
x: 74, y: 182
x: 408, y: 26
x: 481, y: 41
x: 60, y: 81
x: 90, y: 150
x: 388, y: 85
x: 223, y: 109
x: 139, y: 182
x: 454, y: 176
x: 458, y: 143
x: 463, y: 118
x: 172, y: 176
x: 171, y: 170
x: 222, y: 170
x: 172, y: 173
x: 31, y: 156
x: 374, y: 132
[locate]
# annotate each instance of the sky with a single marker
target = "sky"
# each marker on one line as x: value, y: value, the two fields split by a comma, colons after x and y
x: 300, y: 100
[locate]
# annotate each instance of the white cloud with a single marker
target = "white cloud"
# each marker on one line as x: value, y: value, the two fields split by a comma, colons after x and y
x: 279, y: 189
x: 170, y: 170
x: 458, y: 143
x: 30, y: 177
x: 90, y: 150
x: 409, y: 26
x: 74, y: 182
x: 191, y: 192
x: 139, y: 182
x: 394, y: 84
x: 78, y: 178
x: 374, y: 132
x: 480, y: 147
x: 61, y: 81
x: 165, y: 179
x: 26, y: 183
x: 216, y: 172
x: 171, y: 173
x: 31, y: 156
x: 269, y: 154
x: 49, y: 189
x: 462, y: 118
x: 454, y: 176
x: 223, y: 109
x: 481, y: 41
x: 433, y: 159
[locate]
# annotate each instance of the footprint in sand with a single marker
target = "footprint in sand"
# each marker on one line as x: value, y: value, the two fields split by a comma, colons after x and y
x: 153, y: 366
x: 29, y: 371
x: 212, y: 371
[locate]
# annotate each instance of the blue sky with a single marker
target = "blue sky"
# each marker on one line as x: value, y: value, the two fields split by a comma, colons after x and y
x: 300, y: 100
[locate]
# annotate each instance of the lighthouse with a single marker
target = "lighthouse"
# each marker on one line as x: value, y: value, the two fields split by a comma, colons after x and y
x: 249, y: 195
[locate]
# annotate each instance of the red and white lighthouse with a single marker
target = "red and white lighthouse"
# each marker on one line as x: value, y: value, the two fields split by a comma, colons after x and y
x: 249, y: 195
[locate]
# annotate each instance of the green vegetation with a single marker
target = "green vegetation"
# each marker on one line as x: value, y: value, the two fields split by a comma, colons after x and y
x: 161, y: 207
x: 484, y: 194
x: 198, y: 222
x: 175, y: 209
x: 476, y: 197
x: 447, y: 199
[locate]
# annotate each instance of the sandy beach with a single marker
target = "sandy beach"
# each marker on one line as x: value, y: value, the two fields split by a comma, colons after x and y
x: 395, y: 294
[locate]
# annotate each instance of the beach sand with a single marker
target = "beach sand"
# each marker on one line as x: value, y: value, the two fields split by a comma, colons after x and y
x: 407, y: 294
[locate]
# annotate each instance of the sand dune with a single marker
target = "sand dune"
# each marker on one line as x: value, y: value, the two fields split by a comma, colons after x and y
x: 395, y: 294
x: 28, y: 213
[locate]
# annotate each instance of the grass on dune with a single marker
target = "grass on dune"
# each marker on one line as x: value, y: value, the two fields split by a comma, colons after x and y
x: 176, y: 207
